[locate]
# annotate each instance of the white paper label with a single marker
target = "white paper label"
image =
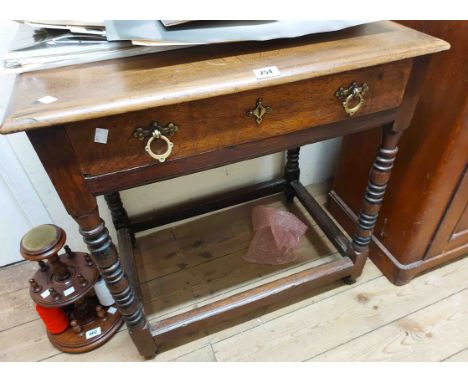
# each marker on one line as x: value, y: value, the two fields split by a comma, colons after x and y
x: 45, y: 294
x: 112, y: 310
x: 268, y: 72
x: 47, y: 99
x: 68, y: 291
x: 100, y: 136
x: 93, y: 332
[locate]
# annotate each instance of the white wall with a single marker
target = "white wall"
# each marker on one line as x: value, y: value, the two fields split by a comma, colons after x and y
x: 20, y: 207
x: 12, y: 225
x: 317, y: 164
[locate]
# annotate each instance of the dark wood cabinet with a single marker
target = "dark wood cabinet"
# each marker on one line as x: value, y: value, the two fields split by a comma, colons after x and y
x: 424, y: 219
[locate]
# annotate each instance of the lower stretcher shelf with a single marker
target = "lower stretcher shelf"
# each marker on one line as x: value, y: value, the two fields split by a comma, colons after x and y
x: 196, y: 264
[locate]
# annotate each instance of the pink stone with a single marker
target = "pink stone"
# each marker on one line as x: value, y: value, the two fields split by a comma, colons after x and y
x: 276, y: 235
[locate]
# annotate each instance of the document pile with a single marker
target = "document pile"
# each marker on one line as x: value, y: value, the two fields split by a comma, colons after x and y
x: 47, y: 44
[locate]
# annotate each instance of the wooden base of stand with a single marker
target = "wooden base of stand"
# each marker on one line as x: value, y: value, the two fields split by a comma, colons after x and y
x: 93, y: 334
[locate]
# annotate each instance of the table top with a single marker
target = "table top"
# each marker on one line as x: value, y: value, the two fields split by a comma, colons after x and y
x: 129, y: 84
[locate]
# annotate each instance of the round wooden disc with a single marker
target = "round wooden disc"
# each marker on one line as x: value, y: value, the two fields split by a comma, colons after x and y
x: 42, y: 241
x: 93, y: 335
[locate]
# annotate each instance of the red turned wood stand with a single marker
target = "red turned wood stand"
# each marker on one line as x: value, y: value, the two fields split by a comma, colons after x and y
x: 185, y: 111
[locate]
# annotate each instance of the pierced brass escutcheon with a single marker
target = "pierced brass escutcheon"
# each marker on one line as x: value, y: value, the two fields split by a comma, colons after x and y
x: 259, y: 111
x: 350, y: 95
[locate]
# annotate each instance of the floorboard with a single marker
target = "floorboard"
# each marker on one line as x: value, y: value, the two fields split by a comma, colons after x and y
x: 431, y: 334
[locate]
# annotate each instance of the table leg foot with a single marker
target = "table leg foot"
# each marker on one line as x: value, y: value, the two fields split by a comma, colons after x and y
x: 143, y: 340
x: 349, y: 280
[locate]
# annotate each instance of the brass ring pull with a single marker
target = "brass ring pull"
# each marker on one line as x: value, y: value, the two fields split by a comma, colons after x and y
x: 347, y: 102
x: 160, y: 157
x: 350, y: 95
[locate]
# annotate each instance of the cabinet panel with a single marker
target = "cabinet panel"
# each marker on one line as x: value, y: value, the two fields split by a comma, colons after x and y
x: 453, y: 230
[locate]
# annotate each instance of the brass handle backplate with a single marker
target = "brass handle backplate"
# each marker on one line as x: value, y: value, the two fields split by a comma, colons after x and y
x: 142, y: 133
x: 354, y: 94
x: 259, y: 111
x: 157, y: 131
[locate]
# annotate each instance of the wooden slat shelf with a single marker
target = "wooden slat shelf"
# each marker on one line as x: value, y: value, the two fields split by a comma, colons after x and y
x: 211, y: 267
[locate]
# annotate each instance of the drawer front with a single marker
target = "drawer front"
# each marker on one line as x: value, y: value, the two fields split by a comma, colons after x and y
x: 214, y: 123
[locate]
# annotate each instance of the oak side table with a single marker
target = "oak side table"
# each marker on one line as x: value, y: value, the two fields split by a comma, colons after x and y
x: 124, y: 123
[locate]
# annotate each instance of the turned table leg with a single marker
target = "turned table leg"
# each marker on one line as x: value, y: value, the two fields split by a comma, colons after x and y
x: 373, y: 197
x: 380, y: 172
x: 104, y: 253
x: 291, y: 171
x: 118, y: 212
x: 64, y: 172
x: 125, y: 237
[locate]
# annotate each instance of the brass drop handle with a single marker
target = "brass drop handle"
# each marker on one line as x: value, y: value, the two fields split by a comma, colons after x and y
x: 354, y: 94
x: 160, y: 157
x: 157, y: 131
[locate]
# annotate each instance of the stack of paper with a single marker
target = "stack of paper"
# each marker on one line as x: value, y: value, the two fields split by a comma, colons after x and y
x: 77, y: 26
x: 209, y: 32
x: 52, y: 43
x: 35, y: 47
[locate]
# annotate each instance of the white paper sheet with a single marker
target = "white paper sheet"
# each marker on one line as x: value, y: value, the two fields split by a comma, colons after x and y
x: 221, y: 31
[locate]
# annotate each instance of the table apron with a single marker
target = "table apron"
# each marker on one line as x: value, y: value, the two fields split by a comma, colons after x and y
x: 138, y: 176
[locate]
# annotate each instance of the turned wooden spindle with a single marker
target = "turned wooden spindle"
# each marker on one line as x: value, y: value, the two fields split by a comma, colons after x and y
x: 291, y: 171
x: 379, y: 176
x: 101, y: 313
x: 55, y: 295
x: 60, y: 269
x: 76, y: 327
x: 83, y: 282
x: 43, y: 266
x: 119, y: 214
x: 69, y: 252
x: 89, y: 261
x: 35, y: 286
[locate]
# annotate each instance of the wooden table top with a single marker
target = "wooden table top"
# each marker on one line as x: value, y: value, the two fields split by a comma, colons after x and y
x: 137, y: 83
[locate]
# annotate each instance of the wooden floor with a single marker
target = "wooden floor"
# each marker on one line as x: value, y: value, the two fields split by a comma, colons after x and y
x: 195, y: 263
